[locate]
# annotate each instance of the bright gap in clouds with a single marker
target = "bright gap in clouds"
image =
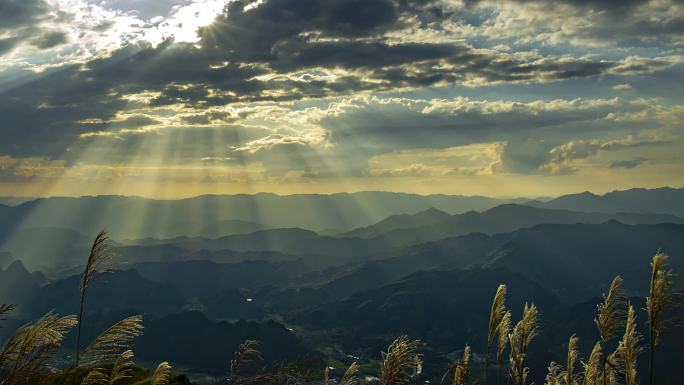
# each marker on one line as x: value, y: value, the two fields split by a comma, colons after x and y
x: 86, y: 29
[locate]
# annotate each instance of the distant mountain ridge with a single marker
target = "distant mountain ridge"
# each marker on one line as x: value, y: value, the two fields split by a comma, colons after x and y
x: 433, y: 225
x: 43, y: 233
x: 205, y: 215
x: 664, y: 200
x: 135, y: 217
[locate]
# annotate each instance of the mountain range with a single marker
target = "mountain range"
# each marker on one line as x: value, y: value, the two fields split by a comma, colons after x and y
x: 339, y: 292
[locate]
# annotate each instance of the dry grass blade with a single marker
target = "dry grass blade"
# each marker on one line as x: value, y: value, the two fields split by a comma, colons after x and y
x: 529, y: 325
x: 504, y: 330
x: 97, y: 263
x: 246, y: 355
x: 121, y: 370
x: 326, y: 376
x: 573, y: 355
x: 462, y: 368
x: 662, y: 299
x: 630, y: 348
x: 496, y: 313
x: 593, y: 369
x: 122, y: 367
x: 161, y: 375
x: 28, y: 348
x: 96, y: 376
x: 613, y: 368
x: 520, y: 338
x: 349, y: 377
x: 398, y: 360
x: 108, y: 345
x: 610, y: 311
x: 661, y: 304
x: 97, y: 259
x: 554, y: 376
x: 610, y: 318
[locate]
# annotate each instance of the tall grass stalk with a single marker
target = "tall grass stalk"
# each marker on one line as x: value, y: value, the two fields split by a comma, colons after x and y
x: 349, y: 377
x: 610, y: 318
x: 519, y: 339
x: 97, y: 260
x: 630, y: 348
x: 462, y: 368
x: 661, y: 304
x: 399, y: 360
x: 496, y: 313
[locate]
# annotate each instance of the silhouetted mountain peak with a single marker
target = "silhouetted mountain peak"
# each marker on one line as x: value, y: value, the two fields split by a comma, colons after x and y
x: 510, y: 207
x: 432, y: 212
x: 664, y: 200
x: 289, y: 232
x: 17, y: 269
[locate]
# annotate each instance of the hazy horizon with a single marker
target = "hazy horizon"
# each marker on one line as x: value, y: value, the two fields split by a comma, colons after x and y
x: 546, y: 197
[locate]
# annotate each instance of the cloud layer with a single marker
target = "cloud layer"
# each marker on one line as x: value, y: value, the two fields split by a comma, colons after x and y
x: 290, y: 91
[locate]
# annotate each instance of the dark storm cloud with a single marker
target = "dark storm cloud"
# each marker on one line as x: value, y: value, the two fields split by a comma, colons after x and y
x: 8, y: 44
x: 19, y: 13
x: 387, y: 126
x: 627, y: 23
x: 252, y: 35
x: 267, y: 53
x: 49, y: 39
x: 537, y: 137
x: 591, y: 4
x: 630, y: 163
x: 21, y: 20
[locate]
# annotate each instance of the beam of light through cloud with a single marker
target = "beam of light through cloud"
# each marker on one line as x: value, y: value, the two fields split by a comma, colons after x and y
x: 177, y: 98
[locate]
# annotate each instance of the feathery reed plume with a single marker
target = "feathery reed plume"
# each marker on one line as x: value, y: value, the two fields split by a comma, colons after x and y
x: 326, y: 376
x: 462, y: 368
x: 529, y: 325
x: 610, y: 318
x: 27, y: 349
x: 398, y: 360
x: 523, y: 333
x: 161, y: 375
x: 610, y: 313
x: 246, y: 355
x: 573, y: 354
x: 504, y: 329
x: 121, y: 370
x: 630, y: 348
x: 554, y: 376
x: 109, y: 345
x: 614, y: 367
x: 661, y: 303
x: 593, y: 369
x: 495, y: 315
x: 97, y: 260
x: 349, y: 377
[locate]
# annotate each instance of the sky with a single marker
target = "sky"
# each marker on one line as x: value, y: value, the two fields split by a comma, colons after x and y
x: 176, y: 98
